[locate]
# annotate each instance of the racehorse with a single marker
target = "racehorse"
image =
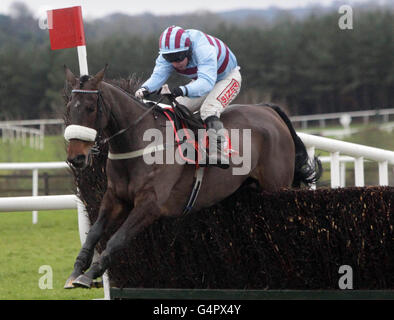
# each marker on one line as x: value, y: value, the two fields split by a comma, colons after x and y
x: 139, y: 193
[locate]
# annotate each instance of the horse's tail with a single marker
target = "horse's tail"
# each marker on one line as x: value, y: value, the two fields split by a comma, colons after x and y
x: 305, y: 171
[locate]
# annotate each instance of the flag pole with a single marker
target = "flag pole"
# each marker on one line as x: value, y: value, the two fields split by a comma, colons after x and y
x: 83, y: 61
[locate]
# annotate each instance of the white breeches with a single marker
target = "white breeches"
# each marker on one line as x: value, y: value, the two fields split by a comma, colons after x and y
x: 220, y: 96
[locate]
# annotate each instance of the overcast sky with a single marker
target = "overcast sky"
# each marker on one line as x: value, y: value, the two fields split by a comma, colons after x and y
x: 99, y: 8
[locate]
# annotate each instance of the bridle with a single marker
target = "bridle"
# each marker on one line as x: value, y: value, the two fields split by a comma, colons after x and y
x: 89, y: 134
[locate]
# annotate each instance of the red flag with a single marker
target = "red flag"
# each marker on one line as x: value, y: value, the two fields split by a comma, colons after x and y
x: 66, y: 28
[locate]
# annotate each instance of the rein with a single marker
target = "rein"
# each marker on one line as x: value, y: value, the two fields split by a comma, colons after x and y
x: 100, y: 96
x: 133, y: 124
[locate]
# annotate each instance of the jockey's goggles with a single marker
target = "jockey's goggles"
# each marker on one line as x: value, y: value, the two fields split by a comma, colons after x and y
x: 175, y: 56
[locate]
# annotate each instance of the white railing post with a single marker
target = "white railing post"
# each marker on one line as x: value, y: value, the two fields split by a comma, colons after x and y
x: 83, y: 62
x: 84, y: 227
x: 37, y: 141
x: 106, y: 286
x: 383, y: 173
x: 35, y: 194
x: 342, y: 165
x: 83, y: 221
x: 311, y: 152
x: 335, y: 170
x: 42, y: 135
x: 359, y: 172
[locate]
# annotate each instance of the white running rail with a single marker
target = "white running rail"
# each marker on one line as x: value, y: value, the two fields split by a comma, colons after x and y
x: 15, y: 133
x: 358, y: 152
x: 34, y: 167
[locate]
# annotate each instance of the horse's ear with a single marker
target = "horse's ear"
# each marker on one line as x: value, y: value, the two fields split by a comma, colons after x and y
x: 70, y: 77
x: 100, y: 75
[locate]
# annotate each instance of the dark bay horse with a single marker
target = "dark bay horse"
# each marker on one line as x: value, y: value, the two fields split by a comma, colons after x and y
x: 139, y: 193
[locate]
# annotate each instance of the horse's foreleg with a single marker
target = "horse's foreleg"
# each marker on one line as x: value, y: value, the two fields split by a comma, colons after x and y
x: 140, y: 217
x: 109, y: 209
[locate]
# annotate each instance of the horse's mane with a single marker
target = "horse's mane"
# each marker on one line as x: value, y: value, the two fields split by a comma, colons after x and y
x: 130, y: 84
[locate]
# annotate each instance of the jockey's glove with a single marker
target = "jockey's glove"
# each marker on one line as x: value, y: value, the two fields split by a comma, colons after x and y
x: 176, y: 92
x: 141, y: 93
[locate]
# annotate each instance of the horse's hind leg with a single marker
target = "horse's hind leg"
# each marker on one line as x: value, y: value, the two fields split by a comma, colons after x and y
x: 140, y: 217
x: 110, y: 209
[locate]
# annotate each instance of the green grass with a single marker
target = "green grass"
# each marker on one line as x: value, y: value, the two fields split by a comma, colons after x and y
x: 370, y: 136
x: 373, y: 137
x: 24, y: 247
x: 54, y: 150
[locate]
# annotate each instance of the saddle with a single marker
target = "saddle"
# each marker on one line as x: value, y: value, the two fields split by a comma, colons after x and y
x: 184, y: 122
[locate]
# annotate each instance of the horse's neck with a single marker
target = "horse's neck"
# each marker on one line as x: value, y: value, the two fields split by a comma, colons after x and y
x: 124, y: 110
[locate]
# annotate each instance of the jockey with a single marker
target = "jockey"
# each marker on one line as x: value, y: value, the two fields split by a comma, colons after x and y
x: 214, y: 74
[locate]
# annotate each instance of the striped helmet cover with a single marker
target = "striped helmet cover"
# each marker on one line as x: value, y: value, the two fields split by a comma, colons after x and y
x: 173, y: 39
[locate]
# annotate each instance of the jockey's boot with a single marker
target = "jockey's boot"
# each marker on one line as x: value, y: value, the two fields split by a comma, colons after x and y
x: 217, y: 142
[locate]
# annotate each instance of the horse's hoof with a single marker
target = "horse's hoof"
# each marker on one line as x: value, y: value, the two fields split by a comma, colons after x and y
x: 83, y: 281
x: 69, y: 283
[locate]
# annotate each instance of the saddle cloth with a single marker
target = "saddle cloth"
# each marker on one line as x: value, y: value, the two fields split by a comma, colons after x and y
x: 190, y: 149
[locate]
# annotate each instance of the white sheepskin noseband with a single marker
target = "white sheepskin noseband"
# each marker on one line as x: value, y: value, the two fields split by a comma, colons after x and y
x: 80, y: 132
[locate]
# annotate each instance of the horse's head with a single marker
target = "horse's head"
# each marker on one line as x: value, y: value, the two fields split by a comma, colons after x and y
x: 84, y: 115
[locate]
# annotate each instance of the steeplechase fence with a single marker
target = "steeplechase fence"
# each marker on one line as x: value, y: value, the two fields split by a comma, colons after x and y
x: 290, y: 240
x: 285, y: 245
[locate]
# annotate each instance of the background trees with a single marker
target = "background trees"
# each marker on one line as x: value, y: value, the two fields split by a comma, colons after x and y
x: 307, y: 65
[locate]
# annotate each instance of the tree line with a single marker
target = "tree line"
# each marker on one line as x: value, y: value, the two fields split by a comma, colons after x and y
x: 307, y: 66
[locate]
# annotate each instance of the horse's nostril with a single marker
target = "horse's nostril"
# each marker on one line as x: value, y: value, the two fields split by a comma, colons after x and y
x: 78, y: 161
